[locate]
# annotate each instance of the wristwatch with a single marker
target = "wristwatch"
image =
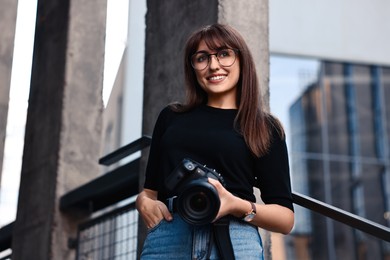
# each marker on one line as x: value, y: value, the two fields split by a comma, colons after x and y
x: 248, y: 217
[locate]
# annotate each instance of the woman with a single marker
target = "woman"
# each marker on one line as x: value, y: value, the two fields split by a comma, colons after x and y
x: 224, y: 126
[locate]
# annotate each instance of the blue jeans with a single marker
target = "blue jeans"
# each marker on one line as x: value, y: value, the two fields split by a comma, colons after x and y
x: 180, y: 240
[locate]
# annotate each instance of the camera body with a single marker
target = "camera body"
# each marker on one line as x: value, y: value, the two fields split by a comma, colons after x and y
x: 197, y: 200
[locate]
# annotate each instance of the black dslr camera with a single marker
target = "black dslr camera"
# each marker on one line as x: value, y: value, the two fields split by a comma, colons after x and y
x: 197, y: 200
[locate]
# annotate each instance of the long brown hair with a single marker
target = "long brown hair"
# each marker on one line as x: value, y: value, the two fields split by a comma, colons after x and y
x: 252, y: 121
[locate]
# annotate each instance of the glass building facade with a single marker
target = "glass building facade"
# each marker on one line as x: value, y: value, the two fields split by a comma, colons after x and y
x: 339, y: 154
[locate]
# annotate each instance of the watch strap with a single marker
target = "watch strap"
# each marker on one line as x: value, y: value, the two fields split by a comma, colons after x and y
x: 251, y: 212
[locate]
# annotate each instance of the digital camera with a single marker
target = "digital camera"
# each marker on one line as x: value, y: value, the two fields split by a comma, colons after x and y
x: 197, y: 200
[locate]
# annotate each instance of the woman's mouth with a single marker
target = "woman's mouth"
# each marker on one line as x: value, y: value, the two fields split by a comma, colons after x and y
x: 217, y: 78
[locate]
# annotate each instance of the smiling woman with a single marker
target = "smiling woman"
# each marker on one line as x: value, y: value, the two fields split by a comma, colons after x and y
x: 223, y: 125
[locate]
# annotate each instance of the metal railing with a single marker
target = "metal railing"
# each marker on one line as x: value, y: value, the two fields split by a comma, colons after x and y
x: 114, y: 186
x: 345, y: 217
x: 122, y: 183
x: 7, y: 257
x: 113, y: 235
x: 6, y: 237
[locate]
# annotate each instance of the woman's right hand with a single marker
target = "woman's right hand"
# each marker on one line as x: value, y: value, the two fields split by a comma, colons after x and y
x: 151, y: 209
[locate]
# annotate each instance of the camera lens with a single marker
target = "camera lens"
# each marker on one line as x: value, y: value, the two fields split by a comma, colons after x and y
x: 199, y: 202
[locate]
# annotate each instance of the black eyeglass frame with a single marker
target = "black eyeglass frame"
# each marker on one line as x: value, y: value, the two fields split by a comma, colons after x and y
x: 216, y: 56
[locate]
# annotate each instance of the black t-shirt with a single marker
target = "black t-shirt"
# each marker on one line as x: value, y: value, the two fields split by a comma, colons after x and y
x: 207, y: 135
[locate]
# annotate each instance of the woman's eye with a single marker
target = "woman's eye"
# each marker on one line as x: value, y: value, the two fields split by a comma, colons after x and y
x: 223, y: 53
x: 201, y: 58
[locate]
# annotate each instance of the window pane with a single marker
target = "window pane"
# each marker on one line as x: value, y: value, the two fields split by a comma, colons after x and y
x: 335, y: 116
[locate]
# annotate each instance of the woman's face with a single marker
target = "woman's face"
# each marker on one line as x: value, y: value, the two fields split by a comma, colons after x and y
x: 219, y: 82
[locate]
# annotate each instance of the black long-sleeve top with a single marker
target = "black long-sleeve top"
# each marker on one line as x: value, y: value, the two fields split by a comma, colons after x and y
x: 207, y: 135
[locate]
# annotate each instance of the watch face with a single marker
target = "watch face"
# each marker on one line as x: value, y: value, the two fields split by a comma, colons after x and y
x: 249, y: 217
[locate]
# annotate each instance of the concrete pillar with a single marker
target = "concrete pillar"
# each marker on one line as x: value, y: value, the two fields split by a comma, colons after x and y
x: 8, y: 9
x: 168, y: 25
x: 251, y: 19
x: 63, y: 130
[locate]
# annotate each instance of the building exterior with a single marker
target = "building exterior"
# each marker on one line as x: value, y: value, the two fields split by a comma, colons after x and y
x: 65, y: 119
x: 339, y: 124
x: 340, y: 155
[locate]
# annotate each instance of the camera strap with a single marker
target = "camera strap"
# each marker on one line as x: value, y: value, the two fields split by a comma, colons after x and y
x: 222, y: 238
x: 220, y: 232
x: 171, y: 204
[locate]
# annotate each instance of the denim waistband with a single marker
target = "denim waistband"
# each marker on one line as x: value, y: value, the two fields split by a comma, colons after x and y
x: 178, y: 240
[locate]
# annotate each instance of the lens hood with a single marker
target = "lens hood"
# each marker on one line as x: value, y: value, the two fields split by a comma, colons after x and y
x: 198, y: 203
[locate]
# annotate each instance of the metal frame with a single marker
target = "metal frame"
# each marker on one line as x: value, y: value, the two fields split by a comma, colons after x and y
x: 343, y: 216
x: 122, y: 183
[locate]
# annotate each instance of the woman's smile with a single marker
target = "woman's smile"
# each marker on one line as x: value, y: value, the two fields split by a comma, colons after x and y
x: 219, y: 82
x: 216, y: 78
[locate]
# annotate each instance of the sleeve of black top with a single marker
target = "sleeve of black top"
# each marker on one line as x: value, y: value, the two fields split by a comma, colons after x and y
x: 273, y: 174
x: 152, y: 176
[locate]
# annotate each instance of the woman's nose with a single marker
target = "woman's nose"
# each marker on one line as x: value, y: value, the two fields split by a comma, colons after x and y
x: 214, y: 63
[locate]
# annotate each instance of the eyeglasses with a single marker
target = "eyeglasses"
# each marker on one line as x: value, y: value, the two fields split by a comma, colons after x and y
x: 225, y: 57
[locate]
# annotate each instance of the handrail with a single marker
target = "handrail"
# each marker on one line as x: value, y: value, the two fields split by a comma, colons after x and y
x: 111, y: 187
x: 106, y: 190
x: 343, y: 216
x: 6, y: 236
x: 70, y: 200
x: 6, y: 257
x: 126, y: 150
x: 318, y: 206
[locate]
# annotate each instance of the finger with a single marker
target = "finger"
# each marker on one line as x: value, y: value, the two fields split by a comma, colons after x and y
x: 149, y: 220
x: 153, y: 221
x: 165, y: 212
x: 212, y: 181
x: 152, y: 217
x: 167, y: 215
x: 152, y: 224
x: 215, y: 183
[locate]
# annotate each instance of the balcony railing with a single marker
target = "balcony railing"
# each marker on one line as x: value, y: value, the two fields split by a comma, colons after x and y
x: 122, y: 183
x: 114, y: 235
x: 362, y: 224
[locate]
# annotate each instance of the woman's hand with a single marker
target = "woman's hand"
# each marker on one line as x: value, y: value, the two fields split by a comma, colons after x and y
x: 229, y: 202
x: 151, y: 210
x: 272, y: 217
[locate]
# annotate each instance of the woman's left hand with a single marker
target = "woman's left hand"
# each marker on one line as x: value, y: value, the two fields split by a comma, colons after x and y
x: 272, y: 217
x: 230, y: 204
